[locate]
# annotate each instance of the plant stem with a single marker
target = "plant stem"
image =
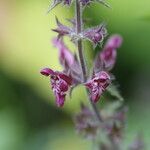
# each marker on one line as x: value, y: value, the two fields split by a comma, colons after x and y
x: 78, y: 11
x: 79, y: 42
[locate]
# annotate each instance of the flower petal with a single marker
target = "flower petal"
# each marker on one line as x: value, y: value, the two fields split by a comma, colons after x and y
x: 107, y: 57
x: 64, y: 54
x: 60, y: 99
x: 114, y: 41
x: 66, y: 78
x: 47, y: 72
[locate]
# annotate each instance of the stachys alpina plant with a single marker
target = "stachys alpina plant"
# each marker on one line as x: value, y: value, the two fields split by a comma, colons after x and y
x: 107, y: 123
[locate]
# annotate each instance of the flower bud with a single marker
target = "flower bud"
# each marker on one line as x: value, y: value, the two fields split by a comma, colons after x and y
x: 109, y: 53
x: 62, y: 30
x: 95, y: 34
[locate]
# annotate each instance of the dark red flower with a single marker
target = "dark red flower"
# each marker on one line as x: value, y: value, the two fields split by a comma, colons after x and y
x: 97, y: 85
x: 60, y: 84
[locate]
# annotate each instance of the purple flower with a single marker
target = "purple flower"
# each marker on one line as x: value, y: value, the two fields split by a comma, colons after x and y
x: 109, y: 53
x: 114, y: 41
x: 95, y: 34
x: 97, y: 85
x: 65, y: 56
x: 60, y: 84
x: 69, y: 61
x: 62, y: 29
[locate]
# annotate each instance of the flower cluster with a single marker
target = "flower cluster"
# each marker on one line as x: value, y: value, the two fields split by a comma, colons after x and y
x: 86, y: 123
x: 71, y: 74
x: 99, y: 81
x: 63, y: 82
x: 110, y: 132
x: 72, y: 70
x: 95, y: 34
x: 112, y: 125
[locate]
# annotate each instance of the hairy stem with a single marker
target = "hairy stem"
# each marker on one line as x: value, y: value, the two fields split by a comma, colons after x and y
x: 78, y: 11
x: 79, y: 42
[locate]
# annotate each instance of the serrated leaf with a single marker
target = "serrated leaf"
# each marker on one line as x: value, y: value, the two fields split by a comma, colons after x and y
x: 112, y: 89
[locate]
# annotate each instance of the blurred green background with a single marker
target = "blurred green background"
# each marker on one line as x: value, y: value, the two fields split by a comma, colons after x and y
x: 29, y: 119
